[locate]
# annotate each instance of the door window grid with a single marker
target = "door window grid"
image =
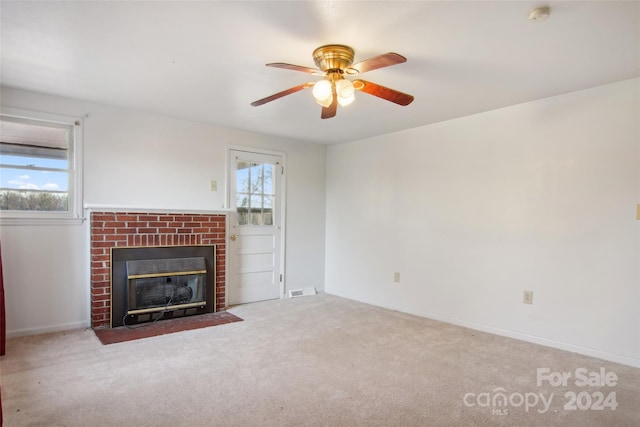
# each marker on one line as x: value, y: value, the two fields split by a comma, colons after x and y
x: 255, y: 193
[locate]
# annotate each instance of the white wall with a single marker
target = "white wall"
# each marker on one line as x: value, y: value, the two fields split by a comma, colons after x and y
x: 134, y: 159
x: 540, y: 196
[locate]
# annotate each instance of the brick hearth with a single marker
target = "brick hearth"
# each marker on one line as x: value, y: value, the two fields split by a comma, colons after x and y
x: 147, y: 229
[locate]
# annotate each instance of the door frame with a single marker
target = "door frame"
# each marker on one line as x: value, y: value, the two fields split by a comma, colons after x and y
x: 230, y: 208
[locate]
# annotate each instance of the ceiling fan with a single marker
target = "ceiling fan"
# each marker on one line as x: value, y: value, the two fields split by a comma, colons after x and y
x: 335, y: 62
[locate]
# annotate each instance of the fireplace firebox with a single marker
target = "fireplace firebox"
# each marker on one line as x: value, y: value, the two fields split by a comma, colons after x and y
x: 165, y: 284
x: 161, y: 282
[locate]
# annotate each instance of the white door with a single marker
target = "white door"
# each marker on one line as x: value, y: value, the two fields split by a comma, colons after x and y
x: 255, y: 235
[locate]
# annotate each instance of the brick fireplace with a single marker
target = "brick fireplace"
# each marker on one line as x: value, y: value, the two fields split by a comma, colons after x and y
x: 149, y: 229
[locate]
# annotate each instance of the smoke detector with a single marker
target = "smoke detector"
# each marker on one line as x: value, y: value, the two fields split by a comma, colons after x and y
x: 539, y: 14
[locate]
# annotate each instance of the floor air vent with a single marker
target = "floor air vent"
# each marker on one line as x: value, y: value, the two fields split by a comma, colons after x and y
x: 302, y: 292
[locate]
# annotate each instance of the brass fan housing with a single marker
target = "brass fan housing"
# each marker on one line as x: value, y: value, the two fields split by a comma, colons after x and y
x: 333, y: 57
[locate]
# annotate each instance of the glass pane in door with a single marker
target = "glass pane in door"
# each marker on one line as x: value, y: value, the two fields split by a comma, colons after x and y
x: 255, y: 191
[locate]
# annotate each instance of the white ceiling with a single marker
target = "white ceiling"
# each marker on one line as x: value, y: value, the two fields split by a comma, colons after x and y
x: 204, y: 60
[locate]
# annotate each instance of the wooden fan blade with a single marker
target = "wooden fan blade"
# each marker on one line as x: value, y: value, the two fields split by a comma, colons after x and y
x: 313, y: 71
x: 330, y: 111
x: 383, y: 92
x: 376, y: 62
x: 281, y: 94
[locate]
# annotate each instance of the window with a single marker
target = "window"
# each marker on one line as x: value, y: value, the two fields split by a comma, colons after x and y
x: 39, y: 166
x: 254, y: 193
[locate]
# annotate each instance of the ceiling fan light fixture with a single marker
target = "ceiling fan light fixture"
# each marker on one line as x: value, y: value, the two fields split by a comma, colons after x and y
x: 322, y: 93
x: 344, y: 88
x: 335, y: 63
x: 345, y: 92
x: 325, y: 102
x: 346, y: 101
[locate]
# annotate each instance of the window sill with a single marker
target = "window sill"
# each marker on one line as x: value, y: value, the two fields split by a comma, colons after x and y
x: 30, y: 221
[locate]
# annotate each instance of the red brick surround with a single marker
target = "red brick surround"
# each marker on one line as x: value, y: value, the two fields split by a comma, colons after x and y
x: 139, y: 229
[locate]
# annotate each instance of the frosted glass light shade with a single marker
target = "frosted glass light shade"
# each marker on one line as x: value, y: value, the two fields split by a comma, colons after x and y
x: 345, y: 91
x: 346, y: 101
x: 325, y: 102
x: 322, y: 93
x: 344, y: 88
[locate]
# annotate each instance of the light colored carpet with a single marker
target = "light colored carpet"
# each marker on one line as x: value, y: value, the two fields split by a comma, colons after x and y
x: 310, y: 361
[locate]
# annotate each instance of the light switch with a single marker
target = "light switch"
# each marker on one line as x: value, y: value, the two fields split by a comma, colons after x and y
x: 213, y: 185
x: 638, y: 212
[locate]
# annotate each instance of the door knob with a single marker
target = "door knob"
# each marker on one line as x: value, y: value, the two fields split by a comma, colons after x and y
x: 232, y: 237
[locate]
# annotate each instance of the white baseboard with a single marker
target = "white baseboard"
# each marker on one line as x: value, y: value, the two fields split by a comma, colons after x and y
x: 47, y: 329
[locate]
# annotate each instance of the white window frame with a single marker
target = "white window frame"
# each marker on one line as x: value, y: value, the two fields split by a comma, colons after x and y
x: 75, y: 212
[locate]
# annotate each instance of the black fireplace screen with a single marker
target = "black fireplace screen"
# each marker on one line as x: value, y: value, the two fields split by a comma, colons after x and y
x: 165, y: 284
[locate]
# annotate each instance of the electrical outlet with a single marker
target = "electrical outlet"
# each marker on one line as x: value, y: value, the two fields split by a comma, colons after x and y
x: 527, y: 297
x: 396, y: 277
x: 213, y: 185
